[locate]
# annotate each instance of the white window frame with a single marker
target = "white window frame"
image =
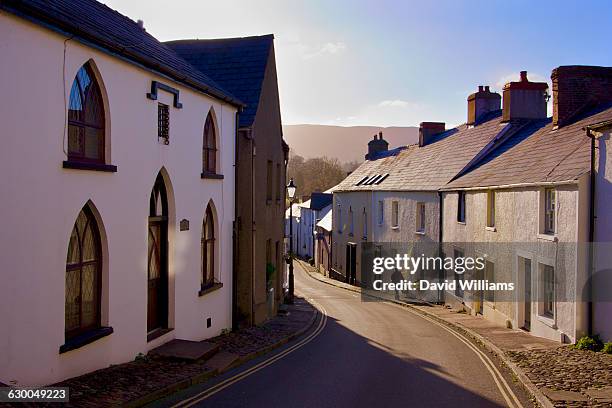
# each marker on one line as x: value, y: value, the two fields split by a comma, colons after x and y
x: 420, y: 217
x: 395, y: 214
x: 491, y: 210
x: 461, y: 207
x: 549, y: 215
x: 365, y: 224
x: 543, y: 311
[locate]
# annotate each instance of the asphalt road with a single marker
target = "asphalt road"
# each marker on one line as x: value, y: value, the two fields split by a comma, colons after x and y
x: 367, y: 354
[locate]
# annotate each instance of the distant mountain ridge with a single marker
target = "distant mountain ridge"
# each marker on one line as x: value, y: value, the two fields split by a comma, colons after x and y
x: 344, y: 143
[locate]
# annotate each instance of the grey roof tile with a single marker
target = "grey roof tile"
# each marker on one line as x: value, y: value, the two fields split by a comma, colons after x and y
x: 237, y: 64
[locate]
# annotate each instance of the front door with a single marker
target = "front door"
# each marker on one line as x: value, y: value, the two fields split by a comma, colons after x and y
x: 157, y: 266
x: 527, y: 324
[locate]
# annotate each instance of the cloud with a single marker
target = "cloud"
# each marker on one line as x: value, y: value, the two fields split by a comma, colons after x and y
x: 327, y: 48
x: 397, y: 103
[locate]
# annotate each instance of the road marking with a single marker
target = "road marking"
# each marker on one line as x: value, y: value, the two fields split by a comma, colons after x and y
x: 189, y: 402
x: 495, y: 374
x: 497, y: 377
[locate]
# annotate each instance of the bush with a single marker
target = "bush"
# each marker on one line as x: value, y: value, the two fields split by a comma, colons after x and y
x: 589, y: 343
x: 607, y: 348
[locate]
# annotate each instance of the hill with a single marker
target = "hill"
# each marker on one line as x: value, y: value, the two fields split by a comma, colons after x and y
x: 344, y: 143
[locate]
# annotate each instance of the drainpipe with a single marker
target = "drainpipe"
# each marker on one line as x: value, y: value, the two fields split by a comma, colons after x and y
x: 440, y: 252
x: 591, y: 236
x: 235, y: 232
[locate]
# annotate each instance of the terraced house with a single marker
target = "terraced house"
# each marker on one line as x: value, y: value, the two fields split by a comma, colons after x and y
x: 526, y: 207
x: 394, y: 197
x: 119, y: 210
x: 247, y: 68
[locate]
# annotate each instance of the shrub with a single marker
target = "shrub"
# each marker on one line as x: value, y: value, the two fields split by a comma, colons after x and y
x: 589, y: 343
x: 607, y: 348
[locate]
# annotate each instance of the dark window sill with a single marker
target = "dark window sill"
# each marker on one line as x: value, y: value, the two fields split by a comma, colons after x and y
x: 210, y: 288
x: 208, y: 175
x: 85, y: 338
x: 69, y: 164
x: 157, y: 333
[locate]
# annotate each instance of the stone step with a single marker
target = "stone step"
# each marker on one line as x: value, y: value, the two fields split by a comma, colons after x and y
x: 222, y: 361
x: 186, y: 350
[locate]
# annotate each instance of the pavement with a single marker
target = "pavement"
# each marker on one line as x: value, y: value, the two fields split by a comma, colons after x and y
x: 180, y: 364
x: 364, y: 354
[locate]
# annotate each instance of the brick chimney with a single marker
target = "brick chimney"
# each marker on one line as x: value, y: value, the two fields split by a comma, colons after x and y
x: 482, y: 102
x: 577, y: 88
x: 429, y: 129
x: 376, y: 145
x: 525, y: 99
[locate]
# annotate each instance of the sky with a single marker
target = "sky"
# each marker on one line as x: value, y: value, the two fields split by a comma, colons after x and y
x: 393, y: 63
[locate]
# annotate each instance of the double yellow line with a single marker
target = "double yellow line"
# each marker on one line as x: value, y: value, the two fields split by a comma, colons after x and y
x: 189, y: 402
x: 503, y: 387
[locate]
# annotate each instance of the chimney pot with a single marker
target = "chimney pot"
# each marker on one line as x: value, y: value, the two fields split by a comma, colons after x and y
x: 487, y: 88
x: 480, y: 88
x: 524, y: 76
x: 380, y: 135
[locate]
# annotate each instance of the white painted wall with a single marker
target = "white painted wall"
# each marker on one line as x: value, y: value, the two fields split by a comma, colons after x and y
x: 41, y: 200
x: 602, y: 286
x: 518, y: 216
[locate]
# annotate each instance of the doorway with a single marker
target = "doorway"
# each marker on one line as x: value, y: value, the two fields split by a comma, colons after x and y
x: 351, y: 263
x: 157, y: 263
x: 527, y: 289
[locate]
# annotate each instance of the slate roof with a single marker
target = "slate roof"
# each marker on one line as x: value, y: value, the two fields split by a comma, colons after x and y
x: 537, y: 154
x: 95, y: 23
x: 432, y: 166
x: 318, y: 200
x: 237, y: 64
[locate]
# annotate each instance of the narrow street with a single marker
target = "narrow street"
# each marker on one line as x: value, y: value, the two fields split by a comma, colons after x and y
x: 367, y: 354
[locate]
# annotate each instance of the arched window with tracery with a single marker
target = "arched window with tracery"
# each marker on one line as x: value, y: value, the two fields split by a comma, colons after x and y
x: 209, y: 147
x: 86, y: 130
x: 83, y: 276
x: 208, y: 249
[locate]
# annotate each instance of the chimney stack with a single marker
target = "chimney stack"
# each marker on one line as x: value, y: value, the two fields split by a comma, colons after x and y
x: 429, y: 129
x: 482, y: 102
x: 525, y: 99
x: 376, y: 145
x: 577, y: 88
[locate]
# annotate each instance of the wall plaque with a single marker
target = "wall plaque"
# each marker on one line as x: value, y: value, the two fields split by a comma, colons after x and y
x: 184, y: 225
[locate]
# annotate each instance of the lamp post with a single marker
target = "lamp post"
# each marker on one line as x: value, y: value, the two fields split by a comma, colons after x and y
x: 291, y: 193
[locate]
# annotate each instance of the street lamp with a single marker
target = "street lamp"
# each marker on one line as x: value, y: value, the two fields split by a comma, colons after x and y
x: 291, y: 193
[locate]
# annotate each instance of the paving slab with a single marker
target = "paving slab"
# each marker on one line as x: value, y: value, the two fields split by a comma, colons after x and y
x: 222, y: 361
x: 600, y: 394
x: 562, y: 395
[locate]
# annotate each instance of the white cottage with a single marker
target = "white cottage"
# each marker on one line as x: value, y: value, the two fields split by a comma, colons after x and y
x: 115, y: 240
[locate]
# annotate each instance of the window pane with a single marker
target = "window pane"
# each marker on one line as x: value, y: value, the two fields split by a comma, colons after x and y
x: 74, y: 253
x: 210, y: 260
x: 75, y: 140
x: 72, y: 309
x: 89, y: 246
x: 75, y: 106
x: 89, y: 297
x: 153, y: 252
x: 93, y: 148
